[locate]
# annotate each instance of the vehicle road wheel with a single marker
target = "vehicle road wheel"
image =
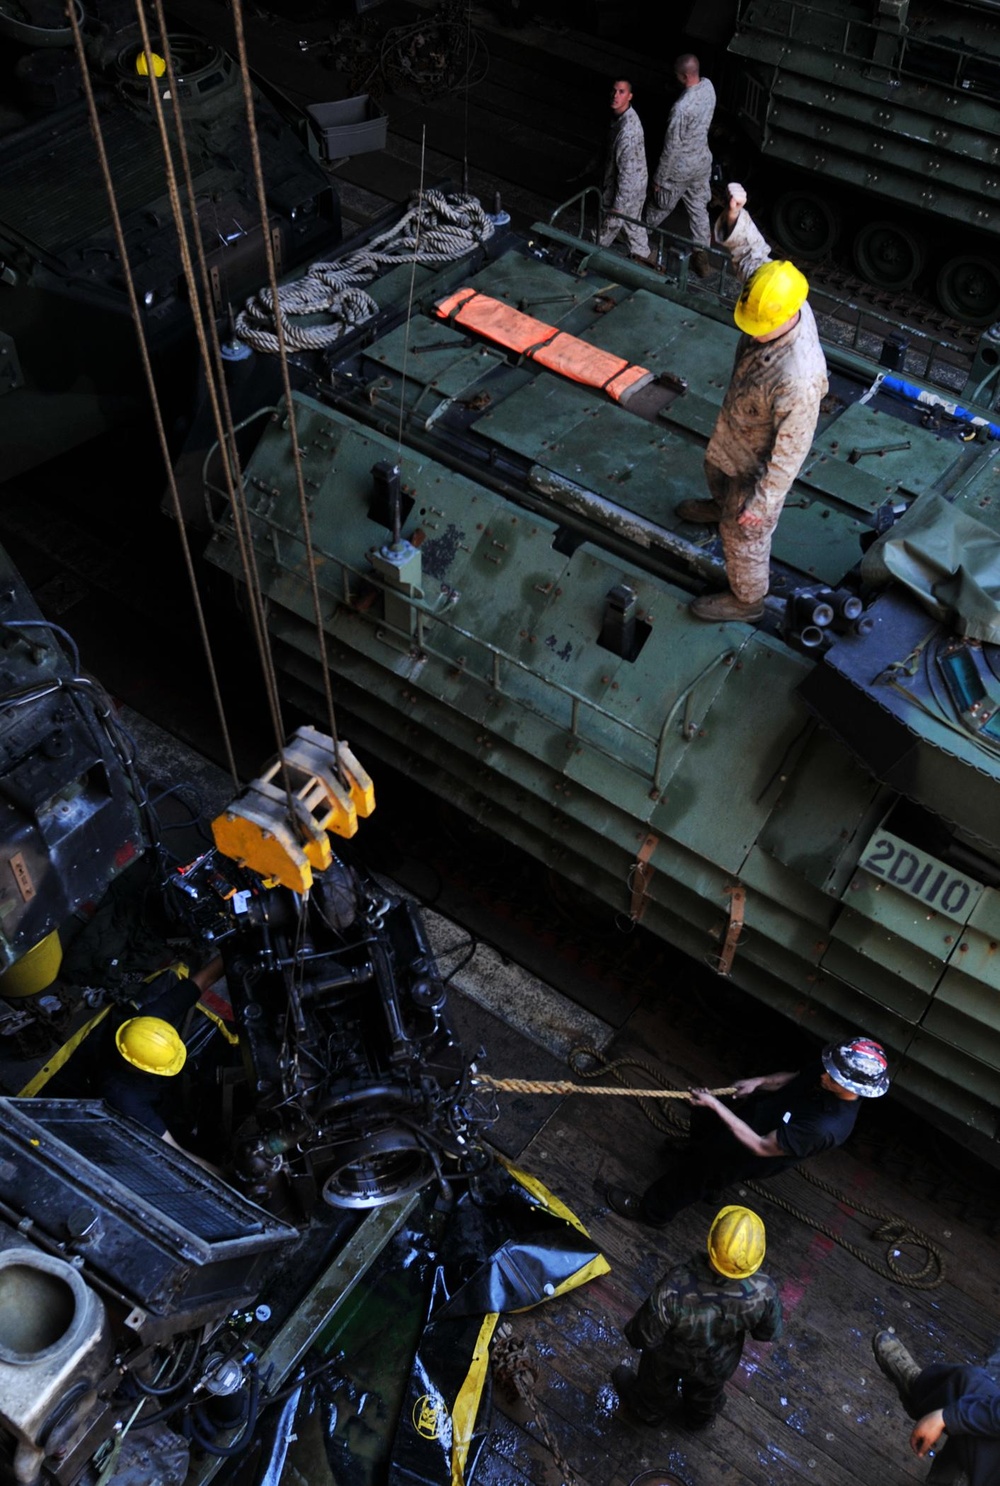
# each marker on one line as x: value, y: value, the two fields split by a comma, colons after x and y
x: 888, y: 255
x: 806, y: 224
x: 969, y: 288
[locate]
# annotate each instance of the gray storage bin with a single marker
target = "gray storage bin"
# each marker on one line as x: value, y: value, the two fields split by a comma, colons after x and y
x: 349, y: 127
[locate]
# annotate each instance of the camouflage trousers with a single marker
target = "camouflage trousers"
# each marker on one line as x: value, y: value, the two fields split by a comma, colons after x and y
x: 747, y: 549
x: 634, y: 233
x: 656, y: 1389
x: 695, y: 195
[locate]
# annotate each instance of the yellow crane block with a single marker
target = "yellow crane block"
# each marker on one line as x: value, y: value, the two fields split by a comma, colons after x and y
x: 315, y: 754
x: 256, y: 831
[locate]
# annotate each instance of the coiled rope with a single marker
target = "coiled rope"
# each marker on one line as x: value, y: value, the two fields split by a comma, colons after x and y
x: 587, y: 1063
x: 437, y: 227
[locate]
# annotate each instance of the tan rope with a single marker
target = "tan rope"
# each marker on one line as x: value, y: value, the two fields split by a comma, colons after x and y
x: 293, y: 432
x: 890, y: 1230
x: 147, y: 368
x: 519, y: 1378
x: 215, y: 385
x: 564, y: 1086
x: 665, y: 1122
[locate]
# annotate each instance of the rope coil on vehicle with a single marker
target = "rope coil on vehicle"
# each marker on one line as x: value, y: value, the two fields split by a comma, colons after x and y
x: 437, y: 227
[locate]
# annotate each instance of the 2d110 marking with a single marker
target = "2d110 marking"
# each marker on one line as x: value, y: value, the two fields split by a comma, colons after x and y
x: 920, y: 875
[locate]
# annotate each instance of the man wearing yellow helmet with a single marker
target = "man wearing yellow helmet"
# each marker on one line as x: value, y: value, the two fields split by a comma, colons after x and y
x: 691, y: 1329
x: 132, y: 1057
x: 768, y: 417
x: 136, y: 1078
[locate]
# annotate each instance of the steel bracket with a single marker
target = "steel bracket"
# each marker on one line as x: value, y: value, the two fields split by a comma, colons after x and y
x: 641, y: 875
x: 737, y: 895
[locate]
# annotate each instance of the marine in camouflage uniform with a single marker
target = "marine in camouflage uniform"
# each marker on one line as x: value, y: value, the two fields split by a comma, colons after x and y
x: 766, y: 425
x: 625, y: 174
x: 685, y: 169
x: 691, y: 1331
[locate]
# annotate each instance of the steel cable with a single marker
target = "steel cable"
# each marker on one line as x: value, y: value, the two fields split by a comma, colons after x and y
x: 147, y: 367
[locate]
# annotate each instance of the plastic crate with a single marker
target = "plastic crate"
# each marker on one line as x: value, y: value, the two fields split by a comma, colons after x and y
x: 352, y: 126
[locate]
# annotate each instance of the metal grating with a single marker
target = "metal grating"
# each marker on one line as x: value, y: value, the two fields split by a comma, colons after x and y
x: 177, y: 1192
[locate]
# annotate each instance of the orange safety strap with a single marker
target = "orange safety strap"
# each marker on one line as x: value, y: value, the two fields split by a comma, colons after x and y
x: 548, y: 345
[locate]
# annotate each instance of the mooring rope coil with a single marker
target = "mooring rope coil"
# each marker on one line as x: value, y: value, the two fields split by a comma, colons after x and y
x: 437, y: 227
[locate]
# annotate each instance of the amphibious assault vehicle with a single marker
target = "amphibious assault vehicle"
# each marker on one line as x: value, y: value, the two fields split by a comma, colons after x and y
x: 879, y: 131
x: 809, y: 804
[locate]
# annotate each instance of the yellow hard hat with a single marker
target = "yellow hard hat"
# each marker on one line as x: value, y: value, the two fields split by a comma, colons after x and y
x: 736, y: 1243
x: 771, y: 295
x: 159, y: 66
x: 150, y: 1043
x: 35, y: 970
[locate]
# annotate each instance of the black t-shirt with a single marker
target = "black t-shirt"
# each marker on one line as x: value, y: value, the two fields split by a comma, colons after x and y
x: 806, y: 1117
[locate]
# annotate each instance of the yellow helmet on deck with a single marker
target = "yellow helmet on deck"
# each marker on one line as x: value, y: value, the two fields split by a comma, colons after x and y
x: 736, y: 1244
x: 771, y: 295
x: 150, y: 1043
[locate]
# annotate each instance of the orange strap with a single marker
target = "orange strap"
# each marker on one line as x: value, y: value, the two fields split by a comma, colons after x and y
x: 550, y: 347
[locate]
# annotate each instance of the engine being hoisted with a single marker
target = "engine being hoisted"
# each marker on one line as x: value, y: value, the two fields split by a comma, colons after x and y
x: 356, y: 1089
x: 136, y: 1323
x: 360, y: 1089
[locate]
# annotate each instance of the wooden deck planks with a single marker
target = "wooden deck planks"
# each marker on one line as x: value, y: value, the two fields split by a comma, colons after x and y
x: 812, y: 1406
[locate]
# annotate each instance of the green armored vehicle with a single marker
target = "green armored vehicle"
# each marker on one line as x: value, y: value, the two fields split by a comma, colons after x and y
x: 811, y: 804
x: 880, y: 121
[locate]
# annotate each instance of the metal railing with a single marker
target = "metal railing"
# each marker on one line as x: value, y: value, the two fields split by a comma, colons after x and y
x: 952, y: 65
x: 673, y: 253
x: 845, y: 326
x: 497, y: 661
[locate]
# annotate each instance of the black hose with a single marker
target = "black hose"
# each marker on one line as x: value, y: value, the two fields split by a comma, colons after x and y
x: 153, y: 1391
x: 224, y: 1452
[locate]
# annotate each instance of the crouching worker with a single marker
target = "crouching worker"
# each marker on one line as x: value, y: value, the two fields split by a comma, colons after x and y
x: 136, y: 1077
x: 133, y: 1055
x: 962, y: 1403
x: 692, y: 1327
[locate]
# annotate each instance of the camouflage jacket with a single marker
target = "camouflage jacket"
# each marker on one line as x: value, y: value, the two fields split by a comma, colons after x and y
x: 686, y: 155
x: 625, y: 172
x: 768, y: 418
x: 697, y: 1320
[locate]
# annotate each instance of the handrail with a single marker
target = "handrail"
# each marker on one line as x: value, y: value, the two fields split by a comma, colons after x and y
x: 958, y: 57
x: 927, y: 351
x: 498, y: 658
